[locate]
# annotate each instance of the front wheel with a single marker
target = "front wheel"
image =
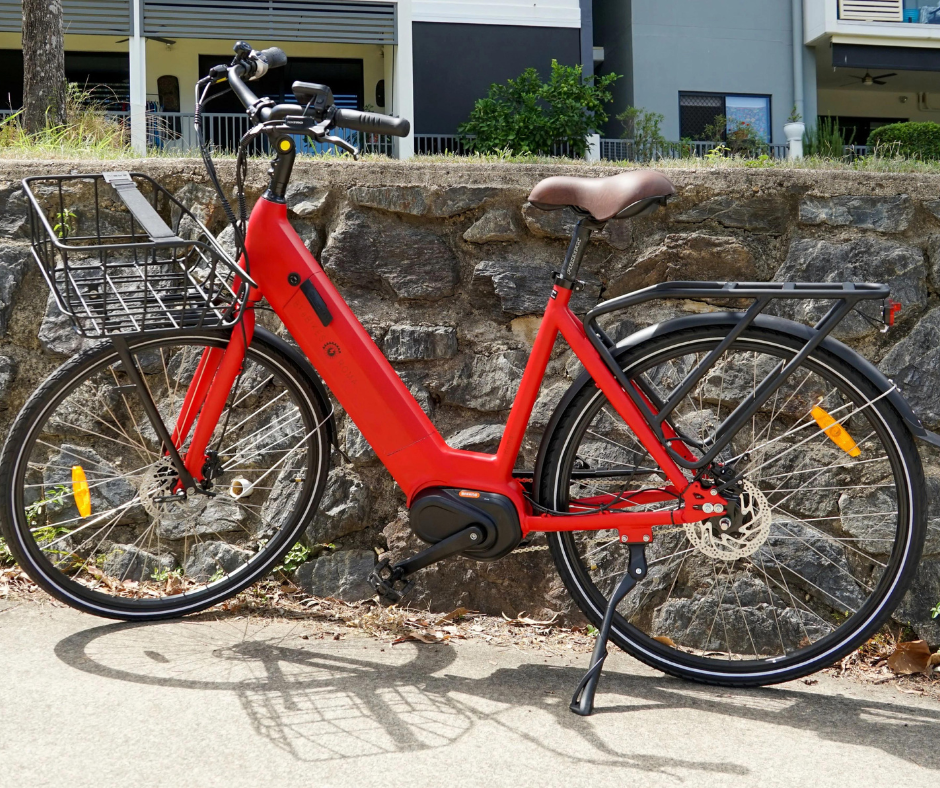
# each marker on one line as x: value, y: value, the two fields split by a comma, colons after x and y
x: 89, y: 507
x: 824, y: 545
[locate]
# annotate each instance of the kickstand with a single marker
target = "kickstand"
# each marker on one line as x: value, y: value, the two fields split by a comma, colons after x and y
x: 583, y: 701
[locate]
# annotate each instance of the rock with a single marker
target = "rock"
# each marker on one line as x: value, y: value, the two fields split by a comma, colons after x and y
x: 482, y: 437
x: 357, y: 447
x: 884, y: 214
x: 13, y: 262
x: 519, y: 583
x: 751, y: 620
x: 414, y: 263
x: 866, y: 259
x: 420, y: 343
x: 549, y: 224
x: 488, y: 383
x: 127, y: 562
x: 343, y: 510
x: 410, y: 200
x: 7, y: 378
x: 524, y: 288
x: 459, y: 199
x: 495, y: 225
x: 758, y: 215
x: 207, y: 560
x: 526, y: 328
x: 547, y: 402
x: 108, y: 489
x: 914, y: 364
x: 203, y: 202
x: 814, y: 564
x: 306, y: 201
x: 343, y: 575
x: 200, y: 517
x: 415, y: 383
x: 14, y: 218
x: 692, y: 257
x: 917, y: 604
x: 561, y: 223
x: 226, y: 240
x: 57, y: 335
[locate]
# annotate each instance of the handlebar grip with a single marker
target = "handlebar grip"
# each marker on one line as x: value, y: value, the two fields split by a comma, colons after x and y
x: 372, y: 122
x: 273, y: 56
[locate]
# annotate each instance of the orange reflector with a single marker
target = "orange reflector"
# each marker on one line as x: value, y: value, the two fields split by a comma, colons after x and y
x: 80, y: 491
x: 836, y: 433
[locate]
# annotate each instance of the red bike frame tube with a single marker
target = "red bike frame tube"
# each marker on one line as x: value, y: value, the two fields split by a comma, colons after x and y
x: 374, y: 397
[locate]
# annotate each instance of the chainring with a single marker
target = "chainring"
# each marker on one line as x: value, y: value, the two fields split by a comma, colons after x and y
x: 755, y: 511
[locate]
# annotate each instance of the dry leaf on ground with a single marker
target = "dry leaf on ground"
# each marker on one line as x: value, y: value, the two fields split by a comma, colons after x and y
x: 911, y: 657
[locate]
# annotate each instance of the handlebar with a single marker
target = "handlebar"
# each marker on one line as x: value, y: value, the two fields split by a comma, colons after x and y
x: 372, y: 122
x: 251, y: 65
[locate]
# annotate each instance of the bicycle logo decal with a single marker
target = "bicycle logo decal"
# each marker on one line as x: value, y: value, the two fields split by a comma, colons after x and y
x: 332, y: 349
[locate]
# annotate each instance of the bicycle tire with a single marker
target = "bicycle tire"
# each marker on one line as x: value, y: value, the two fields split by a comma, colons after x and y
x: 270, y: 542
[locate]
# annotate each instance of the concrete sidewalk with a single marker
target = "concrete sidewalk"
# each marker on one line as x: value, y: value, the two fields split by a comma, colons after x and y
x: 243, y: 702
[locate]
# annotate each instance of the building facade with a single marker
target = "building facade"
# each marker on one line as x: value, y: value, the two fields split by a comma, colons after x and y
x: 427, y: 60
x: 863, y: 62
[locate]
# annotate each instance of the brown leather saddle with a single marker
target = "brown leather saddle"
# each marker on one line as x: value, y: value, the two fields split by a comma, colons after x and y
x: 615, y: 197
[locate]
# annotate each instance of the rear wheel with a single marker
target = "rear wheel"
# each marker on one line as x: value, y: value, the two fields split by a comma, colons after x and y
x: 89, y: 509
x: 817, y: 552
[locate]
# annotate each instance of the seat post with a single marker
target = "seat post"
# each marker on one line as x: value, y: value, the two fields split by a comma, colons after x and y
x: 580, y: 238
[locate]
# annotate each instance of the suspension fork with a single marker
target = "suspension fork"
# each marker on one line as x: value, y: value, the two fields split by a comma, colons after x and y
x: 205, y: 399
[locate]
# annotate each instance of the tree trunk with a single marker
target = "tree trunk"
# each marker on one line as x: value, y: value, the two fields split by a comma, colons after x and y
x: 43, y: 65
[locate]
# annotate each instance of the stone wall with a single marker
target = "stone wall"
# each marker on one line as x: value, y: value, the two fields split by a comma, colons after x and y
x: 449, y: 268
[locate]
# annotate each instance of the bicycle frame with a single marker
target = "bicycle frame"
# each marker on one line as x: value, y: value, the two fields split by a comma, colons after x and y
x: 389, y: 417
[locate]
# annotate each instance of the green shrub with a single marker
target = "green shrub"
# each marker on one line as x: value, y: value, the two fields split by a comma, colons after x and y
x: 911, y: 140
x: 826, y: 140
x: 644, y: 128
x: 528, y: 116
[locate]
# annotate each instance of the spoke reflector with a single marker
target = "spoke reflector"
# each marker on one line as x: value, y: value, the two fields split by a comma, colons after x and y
x: 836, y: 432
x: 80, y: 491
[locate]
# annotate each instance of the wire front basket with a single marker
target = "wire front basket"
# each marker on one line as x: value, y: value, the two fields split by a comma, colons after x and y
x: 123, y: 256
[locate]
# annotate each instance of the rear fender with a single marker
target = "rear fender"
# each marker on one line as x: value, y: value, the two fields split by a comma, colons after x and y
x: 797, y: 330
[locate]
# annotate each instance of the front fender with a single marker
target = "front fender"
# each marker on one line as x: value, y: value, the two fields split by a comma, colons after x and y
x: 300, y: 360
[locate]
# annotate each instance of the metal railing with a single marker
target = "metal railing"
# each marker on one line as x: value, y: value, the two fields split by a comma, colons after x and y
x: 175, y: 131
x: 456, y: 144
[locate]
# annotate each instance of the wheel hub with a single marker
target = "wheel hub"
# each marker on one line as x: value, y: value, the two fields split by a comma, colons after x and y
x: 738, y: 534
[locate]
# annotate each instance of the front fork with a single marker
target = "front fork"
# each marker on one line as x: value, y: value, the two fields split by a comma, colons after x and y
x: 215, y: 376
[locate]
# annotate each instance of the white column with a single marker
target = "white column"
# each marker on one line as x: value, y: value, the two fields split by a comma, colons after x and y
x: 137, y: 55
x: 403, y: 91
x: 389, y: 63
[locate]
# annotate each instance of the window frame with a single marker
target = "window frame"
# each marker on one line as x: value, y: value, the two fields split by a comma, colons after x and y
x: 724, y: 101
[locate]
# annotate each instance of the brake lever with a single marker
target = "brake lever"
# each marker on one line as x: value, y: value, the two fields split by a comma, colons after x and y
x: 339, y: 142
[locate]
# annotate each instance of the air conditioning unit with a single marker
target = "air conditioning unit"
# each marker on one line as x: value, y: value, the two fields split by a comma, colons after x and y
x: 872, y: 10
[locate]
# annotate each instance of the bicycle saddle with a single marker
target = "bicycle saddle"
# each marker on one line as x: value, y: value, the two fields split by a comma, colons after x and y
x: 616, y: 197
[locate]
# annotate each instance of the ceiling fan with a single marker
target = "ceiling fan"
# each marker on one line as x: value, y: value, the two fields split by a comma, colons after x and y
x: 869, y: 80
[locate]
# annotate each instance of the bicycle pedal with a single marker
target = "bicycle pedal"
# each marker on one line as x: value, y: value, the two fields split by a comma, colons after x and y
x: 385, y: 584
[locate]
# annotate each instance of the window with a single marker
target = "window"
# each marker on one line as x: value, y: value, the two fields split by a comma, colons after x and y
x: 698, y: 110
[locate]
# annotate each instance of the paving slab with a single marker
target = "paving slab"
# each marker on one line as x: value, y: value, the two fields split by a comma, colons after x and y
x: 248, y: 702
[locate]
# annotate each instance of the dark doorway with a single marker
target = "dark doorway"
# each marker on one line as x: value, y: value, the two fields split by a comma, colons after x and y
x: 345, y: 77
x: 856, y: 130
x: 105, y: 75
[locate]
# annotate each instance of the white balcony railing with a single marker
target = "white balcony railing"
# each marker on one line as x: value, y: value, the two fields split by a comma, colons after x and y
x: 872, y: 10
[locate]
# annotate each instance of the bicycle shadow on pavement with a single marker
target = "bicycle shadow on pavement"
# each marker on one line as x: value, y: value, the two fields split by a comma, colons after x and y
x: 321, y: 699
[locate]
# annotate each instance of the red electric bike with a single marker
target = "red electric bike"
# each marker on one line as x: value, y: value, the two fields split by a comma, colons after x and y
x: 757, y: 478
